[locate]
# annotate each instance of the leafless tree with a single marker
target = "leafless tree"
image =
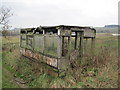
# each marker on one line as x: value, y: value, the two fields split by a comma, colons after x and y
x: 5, y: 14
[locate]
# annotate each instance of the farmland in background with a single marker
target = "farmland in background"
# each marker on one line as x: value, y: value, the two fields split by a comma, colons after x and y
x: 106, y: 29
x: 96, y: 70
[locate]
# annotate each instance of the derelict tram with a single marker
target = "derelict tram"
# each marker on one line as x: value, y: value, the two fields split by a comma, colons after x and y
x: 55, y: 45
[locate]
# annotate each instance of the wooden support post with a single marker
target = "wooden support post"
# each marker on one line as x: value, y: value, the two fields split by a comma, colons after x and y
x: 43, y: 32
x: 44, y: 44
x: 33, y: 45
x: 26, y: 40
x: 20, y: 40
x: 93, y: 43
x: 43, y: 41
x: 69, y: 46
x: 81, y: 44
x: 59, y: 51
x: 62, y: 45
x: 75, y: 40
x: 86, y: 42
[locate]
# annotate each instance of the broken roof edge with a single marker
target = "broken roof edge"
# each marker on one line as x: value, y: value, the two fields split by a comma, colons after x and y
x: 55, y: 27
x: 67, y: 26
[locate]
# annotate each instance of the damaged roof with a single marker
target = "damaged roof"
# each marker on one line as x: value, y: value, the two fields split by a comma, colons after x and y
x: 52, y: 28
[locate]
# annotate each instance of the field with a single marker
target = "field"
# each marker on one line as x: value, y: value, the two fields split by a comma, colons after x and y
x: 95, y: 70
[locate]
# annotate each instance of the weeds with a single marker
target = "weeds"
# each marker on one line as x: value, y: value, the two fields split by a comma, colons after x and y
x: 95, y: 70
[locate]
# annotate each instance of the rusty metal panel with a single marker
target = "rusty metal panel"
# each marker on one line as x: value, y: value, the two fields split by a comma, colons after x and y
x: 29, y: 53
x: 41, y: 57
x: 52, y: 61
x: 38, y: 56
x: 44, y: 59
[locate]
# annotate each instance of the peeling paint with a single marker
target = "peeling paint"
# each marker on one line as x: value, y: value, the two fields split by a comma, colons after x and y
x: 38, y: 56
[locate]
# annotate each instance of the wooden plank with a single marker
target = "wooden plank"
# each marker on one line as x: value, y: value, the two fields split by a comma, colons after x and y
x: 44, y: 47
x: 63, y: 44
x: 59, y: 48
x: 75, y: 40
x: 69, y: 47
x: 78, y: 40
x: 86, y: 42
x: 81, y: 44
x: 43, y: 32
x: 20, y: 40
x: 33, y: 45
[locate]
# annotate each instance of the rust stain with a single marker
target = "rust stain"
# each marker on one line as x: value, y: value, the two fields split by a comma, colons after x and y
x: 29, y: 53
x: 52, y: 61
x: 38, y: 56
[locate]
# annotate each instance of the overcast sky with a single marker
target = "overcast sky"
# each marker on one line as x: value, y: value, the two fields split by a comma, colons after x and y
x: 32, y: 13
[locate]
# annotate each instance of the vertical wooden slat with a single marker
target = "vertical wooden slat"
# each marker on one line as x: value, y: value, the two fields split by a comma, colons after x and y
x: 59, y: 51
x: 26, y: 40
x: 78, y: 40
x: 63, y: 45
x: 75, y: 40
x: 81, y: 44
x: 33, y: 45
x: 43, y: 41
x: 93, y: 42
x: 69, y: 46
x: 59, y: 47
x: 20, y: 40
x: 86, y: 42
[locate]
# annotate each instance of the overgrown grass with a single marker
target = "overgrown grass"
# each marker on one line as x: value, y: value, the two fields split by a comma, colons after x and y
x: 98, y: 70
x: 0, y: 69
x: 7, y: 80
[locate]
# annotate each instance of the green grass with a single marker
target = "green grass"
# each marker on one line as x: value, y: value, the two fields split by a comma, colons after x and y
x: 96, y: 71
x: 7, y: 80
x: 0, y: 69
x: 0, y: 63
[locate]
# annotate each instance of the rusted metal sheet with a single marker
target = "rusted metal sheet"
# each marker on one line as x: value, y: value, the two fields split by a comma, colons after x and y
x: 36, y: 56
x: 40, y: 57
x: 51, y: 61
x: 29, y: 53
x: 48, y: 60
